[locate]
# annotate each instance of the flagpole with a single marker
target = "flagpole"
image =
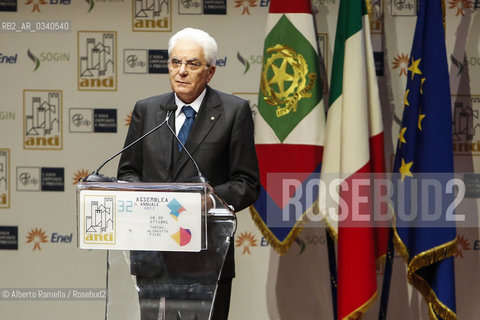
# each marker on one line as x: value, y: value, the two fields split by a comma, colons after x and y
x: 387, y: 278
x: 332, y: 266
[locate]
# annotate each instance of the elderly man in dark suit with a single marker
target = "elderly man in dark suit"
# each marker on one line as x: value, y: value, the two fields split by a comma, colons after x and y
x: 219, y: 128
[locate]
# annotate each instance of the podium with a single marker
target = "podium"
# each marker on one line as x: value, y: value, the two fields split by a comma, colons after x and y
x: 165, y: 250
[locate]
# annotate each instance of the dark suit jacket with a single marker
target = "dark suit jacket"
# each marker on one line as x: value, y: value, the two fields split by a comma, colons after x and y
x: 221, y: 142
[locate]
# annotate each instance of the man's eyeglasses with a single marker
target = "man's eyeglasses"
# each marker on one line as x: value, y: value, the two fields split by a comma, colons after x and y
x: 190, y: 64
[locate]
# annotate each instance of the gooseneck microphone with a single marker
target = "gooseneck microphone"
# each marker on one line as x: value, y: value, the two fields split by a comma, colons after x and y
x: 95, y: 177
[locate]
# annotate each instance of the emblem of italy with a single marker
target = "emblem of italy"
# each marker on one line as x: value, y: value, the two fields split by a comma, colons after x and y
x: 285, y: 79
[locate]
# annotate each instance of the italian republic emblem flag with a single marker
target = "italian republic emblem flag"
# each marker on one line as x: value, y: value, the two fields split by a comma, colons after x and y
x: 289, y: 126
x: 354, y: 149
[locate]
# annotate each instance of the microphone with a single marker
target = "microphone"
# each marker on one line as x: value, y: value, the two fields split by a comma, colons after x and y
x: 95, y: 177
x: 201, y: 178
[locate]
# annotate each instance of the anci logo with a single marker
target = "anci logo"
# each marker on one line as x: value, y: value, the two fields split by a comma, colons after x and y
x: 42, y: 120
x: 47, y: 57
x: 97, y: 62
x: 93, y: 120
x: 38, y: 236
x: 152, y: 15
x: 375, y: 14
x: 4, y: 178
x: 40, y: 179
x: 202, y: 6
x: 466, y: 124
x: 37, y: 3
x: 100, y: 220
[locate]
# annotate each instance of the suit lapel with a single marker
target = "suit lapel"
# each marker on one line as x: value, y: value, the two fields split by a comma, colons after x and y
x: 206, y: 118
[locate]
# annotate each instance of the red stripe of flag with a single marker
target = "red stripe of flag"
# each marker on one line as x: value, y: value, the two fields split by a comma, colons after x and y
x: 287, y: 159
x: 290, y: 6
x: 360, y: 243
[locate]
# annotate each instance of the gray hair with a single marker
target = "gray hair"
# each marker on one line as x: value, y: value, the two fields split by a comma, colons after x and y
x: 209, y: 44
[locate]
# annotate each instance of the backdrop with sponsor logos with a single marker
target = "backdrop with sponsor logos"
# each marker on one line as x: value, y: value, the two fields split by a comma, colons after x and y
x: 71, y: 72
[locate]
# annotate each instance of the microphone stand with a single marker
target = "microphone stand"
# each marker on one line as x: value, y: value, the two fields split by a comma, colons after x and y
x: 96, y: 177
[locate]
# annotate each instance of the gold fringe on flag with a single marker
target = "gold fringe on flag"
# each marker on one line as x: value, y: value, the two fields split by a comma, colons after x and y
x: 358, y: 313
x: 281, y: 247
x: 421, y: 260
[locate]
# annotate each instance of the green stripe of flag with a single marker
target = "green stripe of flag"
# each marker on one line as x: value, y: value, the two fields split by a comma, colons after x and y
x: 349, y: 22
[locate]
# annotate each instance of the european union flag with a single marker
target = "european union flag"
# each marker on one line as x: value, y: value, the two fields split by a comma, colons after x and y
x: 425, y: 146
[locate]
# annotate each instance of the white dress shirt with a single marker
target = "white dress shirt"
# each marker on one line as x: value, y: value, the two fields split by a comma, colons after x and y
x: 180, y: 119
x: 180, y: 116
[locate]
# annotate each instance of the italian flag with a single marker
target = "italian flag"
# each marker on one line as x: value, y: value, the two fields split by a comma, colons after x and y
x: 354, y: 147
x: 289, y: 124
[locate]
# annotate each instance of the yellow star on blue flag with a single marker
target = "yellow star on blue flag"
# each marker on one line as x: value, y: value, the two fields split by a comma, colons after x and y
x: 425, y: 146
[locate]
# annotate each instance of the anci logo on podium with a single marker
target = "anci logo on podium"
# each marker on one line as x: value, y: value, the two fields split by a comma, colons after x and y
x: 99, y: 225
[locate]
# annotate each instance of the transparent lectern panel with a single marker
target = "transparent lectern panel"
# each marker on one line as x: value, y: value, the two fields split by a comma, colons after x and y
x: 122, y: 294
x: 147, y: 277
x: 169, y: 285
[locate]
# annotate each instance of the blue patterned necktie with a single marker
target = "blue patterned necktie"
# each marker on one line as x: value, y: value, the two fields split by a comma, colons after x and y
x: 187, y: 125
